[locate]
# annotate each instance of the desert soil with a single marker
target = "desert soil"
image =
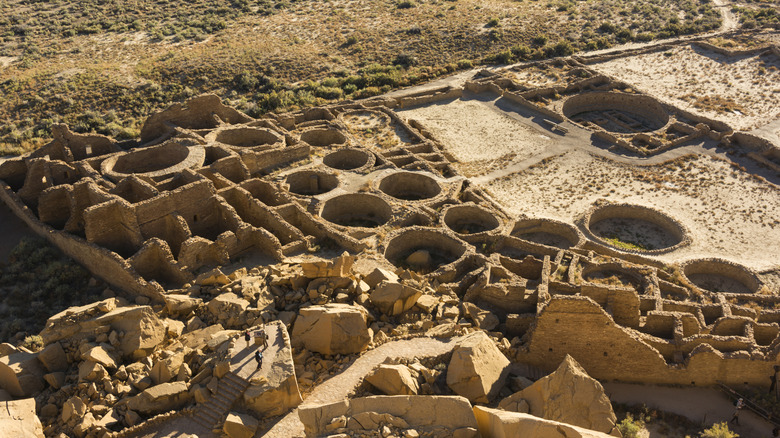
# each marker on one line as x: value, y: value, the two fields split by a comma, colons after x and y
x: 729, y: 213
x: 684, y: 75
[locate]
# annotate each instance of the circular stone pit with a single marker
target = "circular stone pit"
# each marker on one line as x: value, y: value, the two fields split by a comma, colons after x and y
x: 311, y: 182
x: 410, y: 186
x: 246, y: 137
x: 154, y: 161
x: 716, y: 275
x: 323, y: 137
x: 357, y: 210
x: 470, y: 219
x: 423, y: 250
x: 349, y: 159
x: 622, y: 113
x: 635, y: 228
x: 546, y: 232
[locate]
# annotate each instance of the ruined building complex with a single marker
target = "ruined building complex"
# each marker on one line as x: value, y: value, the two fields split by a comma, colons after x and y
x: 211, y: 187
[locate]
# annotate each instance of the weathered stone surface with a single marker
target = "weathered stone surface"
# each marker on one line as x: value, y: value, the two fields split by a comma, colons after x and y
x: 21, y: 374
x: 278, y: 392
x: 332, y: 329
x: 181, y: 304
x: 240, y: 425
x: 379, y: 275
x: 91, y: 371
x: 568, y: 395
x: 394, y: 380
x: 427, y: 303
x: 165, y: 370
x: 160, y: 398
x: 56, y: 380
x: 477, y: 369
x: 212, y: 277
x: 482, y: 318
x: 100, y: 355
x: 74, y: 407
x: 418, y: 411
x: 18, y: 419
x: 338, y: 267
x: 53, y: 357
x: 394, y: 298
x: 496, y: 423
x: 227, y: 305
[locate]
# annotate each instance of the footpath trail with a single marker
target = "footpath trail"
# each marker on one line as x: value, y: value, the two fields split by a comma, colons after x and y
x: 700, y: 405
x: 341, y: 385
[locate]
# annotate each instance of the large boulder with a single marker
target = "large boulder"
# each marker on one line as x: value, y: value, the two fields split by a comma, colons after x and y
x: 181, y: 304
x: 18, y: 419
x: 160, y: 398
x: 227, y: 306
x: 239, y: 425
x: 495, y: 423
x: 332, y: 329
x: 394, y: 298
x: 568, y: 395
x: 53, y: 357
x: 425, y: 413
x: 477, y: 369
x: 21, y: 374
x: 394, y: 380
x: 278, y: 391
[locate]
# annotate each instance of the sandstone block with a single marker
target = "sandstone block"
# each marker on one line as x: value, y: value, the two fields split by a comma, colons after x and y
x: 21, y: 374
x: 332, y: 329
x: 18, y: 419
x: 160, y: 398
x: 181, y: 304
x: 74, y: 407
x: 482, y: 318
x: 379, y: 275
x: 53, y: 357
x: 568, y: 395
x: 227, y: 305
x: 427, y: 303
x: 394, y: 380
x: 496, y: 423
x: 100, y: 355
x: 338, y: 267
x: 477, y: 369
x: 240, y: 425
x: 394, y: 298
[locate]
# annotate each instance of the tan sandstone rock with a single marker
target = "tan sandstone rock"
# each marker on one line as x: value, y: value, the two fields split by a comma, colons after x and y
x: 394, y: 298
x: 332, y: 329
x: 495, y: 423
x: 240, y: 425
x: 18, y: 419
x: 181, y: 304
x: 568, y: 395
x: 394, y: 380
x: 21, y: 374
x: 477, y: 369
x: 419, y: 412
x: 53, y: 357
x: 160, y: 398
x: 278, y: 391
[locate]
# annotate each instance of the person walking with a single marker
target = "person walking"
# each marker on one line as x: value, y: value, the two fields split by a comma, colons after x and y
x: 259, y: 359
x: 735, y: 419
x: 773, y: 379
x: 247, y: 337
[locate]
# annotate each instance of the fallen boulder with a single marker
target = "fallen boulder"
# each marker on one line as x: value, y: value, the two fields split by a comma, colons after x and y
x: 332, y: 329
x: 568, y: 395
x: 477, y: 369
x: 21, y: 374
x: 18, y: 419
x: 495, y: 423
x: 239, y: 425
x: 394, y: 298
x: 160, y: 398
x: 394, y: 380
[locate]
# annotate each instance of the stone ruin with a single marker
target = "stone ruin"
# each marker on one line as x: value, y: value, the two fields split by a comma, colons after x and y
x: 211, y: 191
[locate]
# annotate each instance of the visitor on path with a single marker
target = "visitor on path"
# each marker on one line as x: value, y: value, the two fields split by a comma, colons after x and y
x: 735, y: 419
x: 773, y: 378
x: 259, y: 359
x: 247, y: 337
x: 261, y: 337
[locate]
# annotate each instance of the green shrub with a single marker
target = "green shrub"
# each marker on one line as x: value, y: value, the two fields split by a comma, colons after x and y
x: 718, y: 430
x: 629, y: 427
x: 405, y: 4
x: 494, y: 22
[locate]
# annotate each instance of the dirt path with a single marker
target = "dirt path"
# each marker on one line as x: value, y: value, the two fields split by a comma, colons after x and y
x: 730, y: 21
x: 701, y: 405
x: 339, y: 387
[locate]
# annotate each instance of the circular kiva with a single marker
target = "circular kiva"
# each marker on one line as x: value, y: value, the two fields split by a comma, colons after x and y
x: 716, y: 275
x: 423, y: 249
x: 410, y: 186
x: 349, y: 159
x: 470, y: 219
x: 365, y: 119
x: 311, y: 182
x: 357, y: 210
x: 245, y: 137
x: 635, y: 228
x: 154, y: 161
x: 323, y: 137
x: 546, y: 232
x: 617, y: 112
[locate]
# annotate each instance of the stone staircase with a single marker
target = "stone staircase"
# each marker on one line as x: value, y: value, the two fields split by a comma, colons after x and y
x: 211, y: 413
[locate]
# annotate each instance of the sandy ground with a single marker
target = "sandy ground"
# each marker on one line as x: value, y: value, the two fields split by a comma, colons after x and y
x: 701, y: 405
x: 749, y: 82
x: 730, y: 214
x: 478, y: 135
